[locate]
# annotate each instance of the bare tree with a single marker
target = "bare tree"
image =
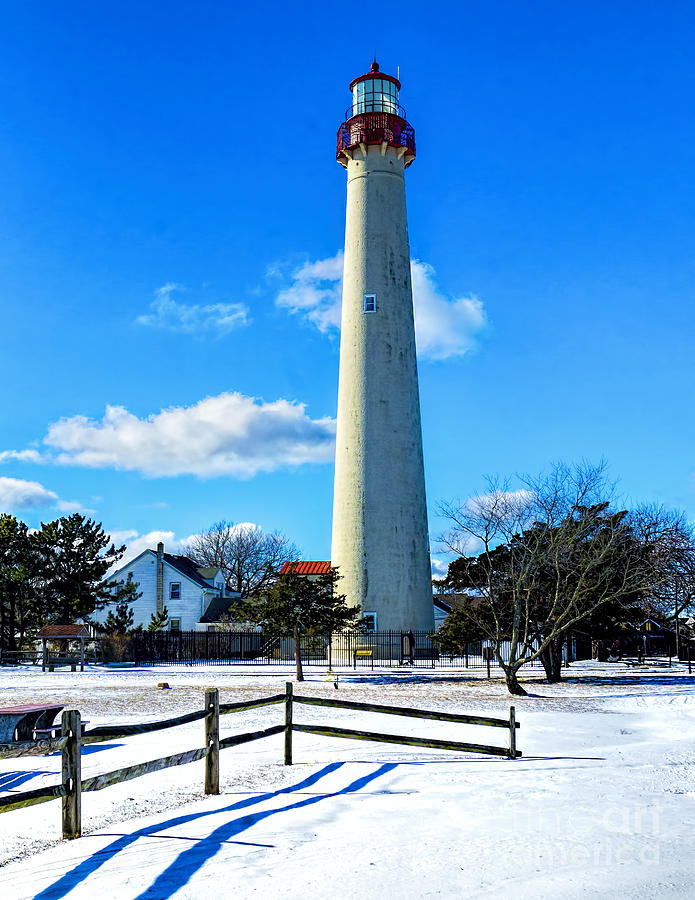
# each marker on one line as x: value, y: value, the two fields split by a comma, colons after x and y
x: 248, y: 556
x: 549, y: 555
x: 670, y: 532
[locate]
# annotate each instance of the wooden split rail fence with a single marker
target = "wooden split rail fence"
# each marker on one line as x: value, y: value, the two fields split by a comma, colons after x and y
x: 72, y: 738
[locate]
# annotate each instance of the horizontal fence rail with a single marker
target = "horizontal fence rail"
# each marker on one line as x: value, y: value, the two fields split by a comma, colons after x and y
x: 98, y: 782
x: 29, y: 798
x: 405, y: 711
x: 32, y: 748
x: 111, y: 732
x: 72, y: 738
x: 237, y: 739
x: 334, y: 731
x: 251, y: 704
x: 356, y: 650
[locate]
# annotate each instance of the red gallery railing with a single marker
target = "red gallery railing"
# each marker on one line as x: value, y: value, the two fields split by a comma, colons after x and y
x: 375, y: 128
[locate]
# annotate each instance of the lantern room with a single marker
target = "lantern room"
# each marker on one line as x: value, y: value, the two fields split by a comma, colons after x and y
x: 375, y: 92
x: 375, y: 117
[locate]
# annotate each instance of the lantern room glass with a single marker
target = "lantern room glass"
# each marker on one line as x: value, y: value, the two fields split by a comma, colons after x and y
x: 375, y: 95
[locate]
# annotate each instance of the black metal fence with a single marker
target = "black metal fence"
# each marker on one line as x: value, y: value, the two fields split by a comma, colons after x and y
x: 377, y: 648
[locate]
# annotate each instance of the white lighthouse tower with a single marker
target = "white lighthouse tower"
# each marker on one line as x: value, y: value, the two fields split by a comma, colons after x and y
x: 380, y: 541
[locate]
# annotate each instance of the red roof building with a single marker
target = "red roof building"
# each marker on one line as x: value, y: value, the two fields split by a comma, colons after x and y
x: 64, y: 631
x: 307, y: 567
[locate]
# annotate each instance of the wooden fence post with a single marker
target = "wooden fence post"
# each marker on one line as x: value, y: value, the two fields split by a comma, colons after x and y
x: 71, y: 728
x: 212, y: 741
x: 288, y: 723
x: 512, y: 732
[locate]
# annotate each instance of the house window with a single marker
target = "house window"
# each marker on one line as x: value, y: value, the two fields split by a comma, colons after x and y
x: 174, y: 624
x: 370, y: 621
x: 175, y: 590
x: 369, y: 303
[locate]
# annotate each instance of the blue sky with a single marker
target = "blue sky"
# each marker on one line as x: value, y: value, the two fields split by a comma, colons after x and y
x: 171, y: 215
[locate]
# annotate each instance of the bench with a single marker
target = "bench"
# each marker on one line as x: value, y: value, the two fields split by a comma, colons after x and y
x: 21, y: 723
x: 431, y: 653
x: 59, y: 661
x: 363, y: 652
x: 54, y: 730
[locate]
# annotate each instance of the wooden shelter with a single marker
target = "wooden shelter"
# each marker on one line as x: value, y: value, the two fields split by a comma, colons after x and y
x: 72, y: 633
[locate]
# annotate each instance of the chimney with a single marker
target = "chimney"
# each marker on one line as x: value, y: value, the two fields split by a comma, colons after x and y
x: 160, y: 577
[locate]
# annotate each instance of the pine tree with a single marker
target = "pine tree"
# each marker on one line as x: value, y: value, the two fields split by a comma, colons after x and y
x: 20, y: 602
x: 120, y: 619
x: 159, y: 621
x: 295, y: 606
x: 74, y: 555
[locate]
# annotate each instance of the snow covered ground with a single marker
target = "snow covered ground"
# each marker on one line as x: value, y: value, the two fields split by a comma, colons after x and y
x: 601, y: 804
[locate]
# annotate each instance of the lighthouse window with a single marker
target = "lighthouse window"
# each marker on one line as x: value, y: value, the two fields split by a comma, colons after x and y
x: 369, y: 619
x: 375, y: 95
x: 369, y: 303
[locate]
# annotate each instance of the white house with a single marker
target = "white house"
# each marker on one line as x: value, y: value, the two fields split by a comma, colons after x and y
x: 194, y: 596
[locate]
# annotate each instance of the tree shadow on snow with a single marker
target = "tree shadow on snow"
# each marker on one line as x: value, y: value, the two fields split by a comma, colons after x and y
x: 189, y: 861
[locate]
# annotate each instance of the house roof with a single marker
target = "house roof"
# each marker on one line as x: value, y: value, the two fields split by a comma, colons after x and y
x: 307, y: 567
x: 64, y: 631
x: 457, y: 601
x: 186, y: 566
x: 218, y: 606
x: 441, y: 604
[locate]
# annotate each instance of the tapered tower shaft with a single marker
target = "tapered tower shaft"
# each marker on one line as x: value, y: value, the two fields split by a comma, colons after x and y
x: 380, y: 542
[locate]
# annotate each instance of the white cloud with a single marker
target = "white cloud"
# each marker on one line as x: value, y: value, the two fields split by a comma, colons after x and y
x: 135, y: 542
x: 440, y: 567
x: 315, y: 293
x: 444, y: 327
x: 229, y: 434
x: 501, y: 503
x: 32, y: 456
x: 71, y: 506
x: 216, y: 319
x: 17, y: 494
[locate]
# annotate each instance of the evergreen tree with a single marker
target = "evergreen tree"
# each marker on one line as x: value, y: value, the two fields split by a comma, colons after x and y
x: 74, y: 555
x: 295, y: 606
x: 20, y: 606
x: 159, y: 621
x: 120, y: 619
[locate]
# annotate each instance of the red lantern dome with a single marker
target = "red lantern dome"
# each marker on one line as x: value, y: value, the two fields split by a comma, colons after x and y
x: 375, y: 117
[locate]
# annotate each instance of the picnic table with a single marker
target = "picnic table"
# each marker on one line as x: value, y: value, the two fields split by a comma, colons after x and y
x: 20, y: 723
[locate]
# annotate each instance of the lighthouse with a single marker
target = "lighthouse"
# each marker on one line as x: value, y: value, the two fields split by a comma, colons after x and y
x: 380, y: 539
